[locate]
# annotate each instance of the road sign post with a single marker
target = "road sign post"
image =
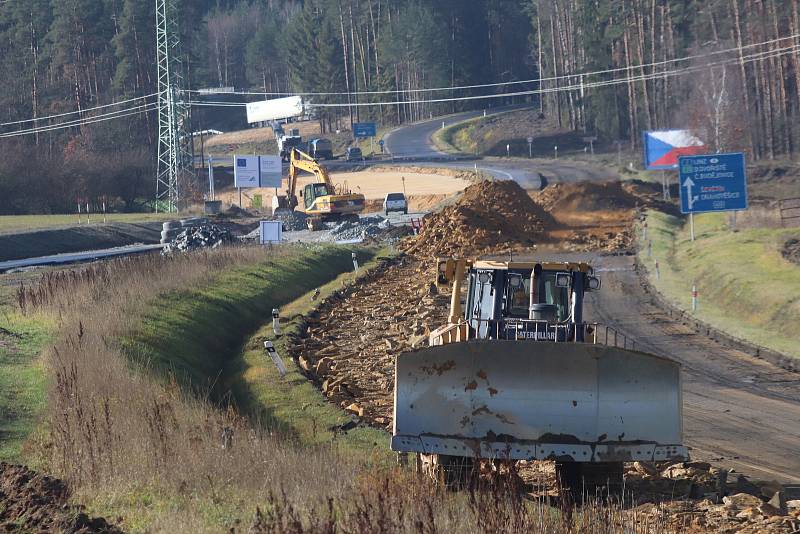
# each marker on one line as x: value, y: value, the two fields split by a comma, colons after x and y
x: 530, y: 147
x: 711, y: 183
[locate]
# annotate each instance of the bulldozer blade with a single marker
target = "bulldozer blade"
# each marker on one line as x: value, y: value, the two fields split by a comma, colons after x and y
x: 538, y: 400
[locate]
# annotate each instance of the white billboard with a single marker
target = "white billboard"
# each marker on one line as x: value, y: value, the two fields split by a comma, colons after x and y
x: 278, y: 108
x: 257, y: 171
x: 246, y: 171
x: 271, y: 168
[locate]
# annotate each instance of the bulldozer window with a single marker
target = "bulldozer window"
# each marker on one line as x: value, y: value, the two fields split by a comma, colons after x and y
x: 549, y: 293
x: 518, y: 299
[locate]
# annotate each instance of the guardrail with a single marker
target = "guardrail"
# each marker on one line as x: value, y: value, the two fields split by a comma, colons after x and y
x: 590, y: 333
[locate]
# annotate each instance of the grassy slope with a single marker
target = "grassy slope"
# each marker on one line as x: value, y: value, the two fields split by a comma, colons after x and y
x: 194, y: 333
x: 16, y: 223
x: 22, y: 380
x: 746, y: 288
x: 293, y: 403
x: 76, y: 239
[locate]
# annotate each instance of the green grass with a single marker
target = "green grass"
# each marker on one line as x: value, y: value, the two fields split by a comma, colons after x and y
x: 16, y: 223
x: 23, y: 381
x: 746, y: 288
x: 293, y: 403
x: 194, y: 333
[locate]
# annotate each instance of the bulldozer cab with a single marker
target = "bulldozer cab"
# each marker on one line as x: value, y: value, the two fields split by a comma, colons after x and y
x: 312, y: 192
x: 527, y: 301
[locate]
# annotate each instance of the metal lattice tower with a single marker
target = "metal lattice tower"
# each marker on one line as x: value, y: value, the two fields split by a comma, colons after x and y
x: 173, y: 111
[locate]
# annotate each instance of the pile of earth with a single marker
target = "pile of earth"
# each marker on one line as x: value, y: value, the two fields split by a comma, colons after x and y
x: 488, y: 217
x: 791, y: 250
x: 586, y: 196
x: 30, y: 502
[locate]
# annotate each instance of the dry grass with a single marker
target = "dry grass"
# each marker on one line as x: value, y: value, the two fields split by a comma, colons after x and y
x: 135, y: 445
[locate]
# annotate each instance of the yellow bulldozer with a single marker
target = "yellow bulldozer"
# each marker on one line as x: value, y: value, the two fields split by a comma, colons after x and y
x: 322, y: 201
x: 518, y: 374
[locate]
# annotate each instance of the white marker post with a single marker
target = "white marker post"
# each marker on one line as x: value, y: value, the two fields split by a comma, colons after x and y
x: 79, y: 212
x: 556, y: 150
x: 276, y: 321
x: 530, y: 147
x: 355, y: 262
x: 508, y: 151
x: 87, y: 214
x: 658, y: 273
x: 276, y: 359
x: 694, y: 298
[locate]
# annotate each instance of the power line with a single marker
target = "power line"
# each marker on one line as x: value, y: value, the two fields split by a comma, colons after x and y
x: 82, y: 122
x: 88, y: 110
x: 573, y: 87
x: 519, y: 82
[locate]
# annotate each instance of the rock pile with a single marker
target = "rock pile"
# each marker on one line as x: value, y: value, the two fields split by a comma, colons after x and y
x: 364, y: 228
x: 353, y: 340
x: 293, y: 221
x: 488, y: 217
x: 197, y: 237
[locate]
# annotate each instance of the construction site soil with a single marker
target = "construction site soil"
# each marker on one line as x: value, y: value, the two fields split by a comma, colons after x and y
x: 351, y: 342
x: 30, y: 502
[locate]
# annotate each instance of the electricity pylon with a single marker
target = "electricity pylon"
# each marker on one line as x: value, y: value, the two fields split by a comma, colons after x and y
x: 173, y: 111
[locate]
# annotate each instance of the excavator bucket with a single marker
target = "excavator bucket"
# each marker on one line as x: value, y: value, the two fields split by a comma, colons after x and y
x: 538, y: 400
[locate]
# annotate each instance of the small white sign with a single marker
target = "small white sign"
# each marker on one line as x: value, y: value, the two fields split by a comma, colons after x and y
x: 271, y: 232
x: 530, y: 140
x: 245, y: 171
x: 271, y: 171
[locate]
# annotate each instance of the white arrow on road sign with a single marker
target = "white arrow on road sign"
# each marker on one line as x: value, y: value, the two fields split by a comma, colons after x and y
x: 688, y: 184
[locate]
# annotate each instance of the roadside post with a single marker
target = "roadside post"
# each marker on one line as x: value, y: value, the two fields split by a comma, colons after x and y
x: 649, y: 249
x: 87, y: 213
x: 355, y: 262
x: 644, y: 231
x: 658, y: 273
x: 590, y: 139
x: 442, y: 125
x: 694, y: 298
x: 104, y: 212
x: 530, y: 147
x: 79, y: 212
x: 275, y: 357
x: 276, y: 321
x: 508, y: 150
x: 403, y: 179
x: 556, y: 150
x: 712, y: 183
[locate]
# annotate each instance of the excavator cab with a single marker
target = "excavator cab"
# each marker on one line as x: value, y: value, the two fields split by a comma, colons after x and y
x: 311, y: 192
x: 519, y: 374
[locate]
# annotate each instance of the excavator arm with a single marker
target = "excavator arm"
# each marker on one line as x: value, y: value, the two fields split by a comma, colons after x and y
x: 300, y: 161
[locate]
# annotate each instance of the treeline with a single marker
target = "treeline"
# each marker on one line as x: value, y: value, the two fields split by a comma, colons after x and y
x: 735, y: 95
x: 60, y: 56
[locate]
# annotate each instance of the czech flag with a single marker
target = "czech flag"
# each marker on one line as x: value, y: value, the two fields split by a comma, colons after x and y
x: 663, y: 148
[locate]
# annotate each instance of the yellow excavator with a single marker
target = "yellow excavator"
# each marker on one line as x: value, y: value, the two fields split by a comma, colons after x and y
x: 322, y: 201
x: 518, y: 374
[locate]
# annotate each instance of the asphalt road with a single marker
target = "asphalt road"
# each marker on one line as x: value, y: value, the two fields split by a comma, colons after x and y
x: 413, y: 143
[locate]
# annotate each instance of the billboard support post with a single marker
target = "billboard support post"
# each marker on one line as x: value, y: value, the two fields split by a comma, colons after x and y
x: 691, y: 225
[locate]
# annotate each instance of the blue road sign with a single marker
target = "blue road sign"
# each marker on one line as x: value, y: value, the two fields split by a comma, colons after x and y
x: 364, y: 129
x: 715, y: 182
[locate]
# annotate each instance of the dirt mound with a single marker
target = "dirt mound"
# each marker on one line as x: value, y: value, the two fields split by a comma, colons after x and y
x: 791, y: 251
x: 489, y: 216
x: 30, y: 502
x: 586, y: 196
